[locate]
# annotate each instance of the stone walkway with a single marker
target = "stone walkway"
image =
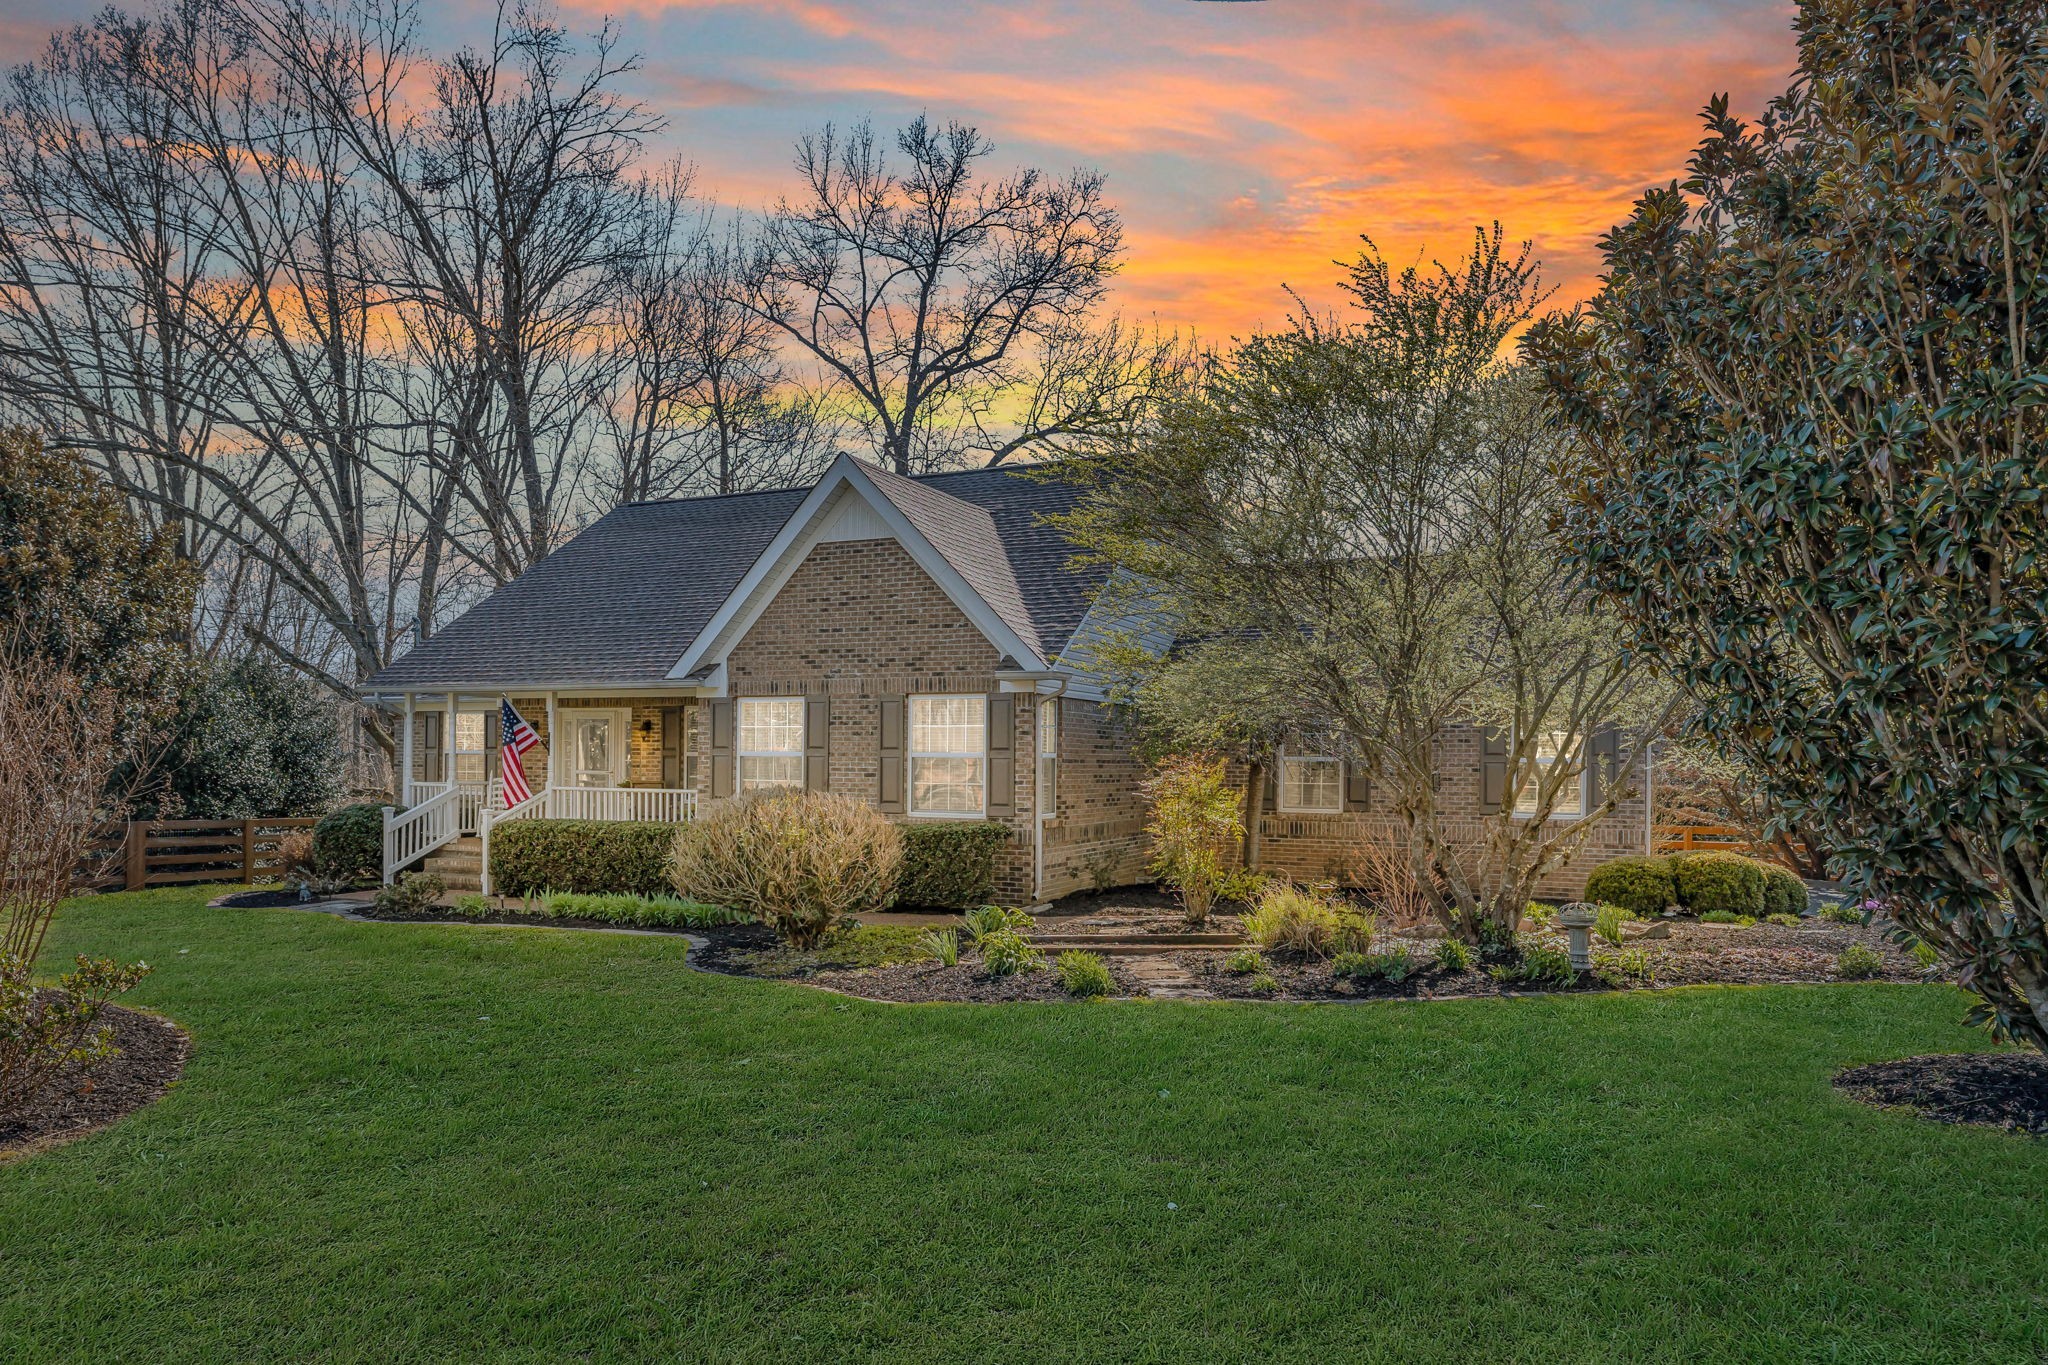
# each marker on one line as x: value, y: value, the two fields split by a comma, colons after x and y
x: 1165, y: 979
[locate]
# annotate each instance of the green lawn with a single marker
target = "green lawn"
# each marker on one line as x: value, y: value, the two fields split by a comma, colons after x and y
x: 408, y: 1142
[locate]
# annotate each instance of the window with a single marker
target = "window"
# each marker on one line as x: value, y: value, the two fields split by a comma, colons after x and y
x: 1048, y: 756
x: 1571, y: 798
x: 1311, y: 784
x: 948, y: 755
x: 771, y: 747
x: 470, y: 748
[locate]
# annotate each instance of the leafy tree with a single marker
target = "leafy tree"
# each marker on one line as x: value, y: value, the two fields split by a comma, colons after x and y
x: 85, y: 583
x: 1347, y: 526
x: 252, y: 739
x: 1811, y: 395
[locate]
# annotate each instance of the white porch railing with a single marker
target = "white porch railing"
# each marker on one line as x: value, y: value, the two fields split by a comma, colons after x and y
x: 412, y: 834
x: 471, y: 798
x: 656, y: 805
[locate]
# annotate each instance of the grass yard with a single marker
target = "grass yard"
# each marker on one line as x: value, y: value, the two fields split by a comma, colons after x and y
x: 407, y: 1142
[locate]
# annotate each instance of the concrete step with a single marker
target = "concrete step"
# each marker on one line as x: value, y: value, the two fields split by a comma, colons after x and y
x: 1188, y: 940
x: 443, y: 858
x: 1148, y: 945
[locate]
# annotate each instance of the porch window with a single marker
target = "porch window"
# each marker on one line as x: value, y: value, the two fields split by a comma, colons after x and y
x: 1048, y: 756
x: 470, y: 748
x: 1311, y: 784
x: 1571, y: 798
x: 771, y: 742
x: 948, y: 755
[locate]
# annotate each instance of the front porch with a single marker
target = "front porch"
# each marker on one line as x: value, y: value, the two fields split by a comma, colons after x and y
x: 620, y: 758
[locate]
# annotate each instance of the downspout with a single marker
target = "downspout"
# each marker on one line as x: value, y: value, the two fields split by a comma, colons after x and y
x: 1650, y: 798
x: 1038, y: 811
x: 404, y: 782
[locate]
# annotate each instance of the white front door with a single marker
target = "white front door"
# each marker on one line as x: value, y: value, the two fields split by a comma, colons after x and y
x: 594, y: 750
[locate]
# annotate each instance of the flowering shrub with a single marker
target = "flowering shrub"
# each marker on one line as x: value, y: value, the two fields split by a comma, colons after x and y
x: 799, y: 861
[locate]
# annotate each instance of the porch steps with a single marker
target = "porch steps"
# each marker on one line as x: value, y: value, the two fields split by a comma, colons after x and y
x: 459, y: 863
x: 1137, y: 945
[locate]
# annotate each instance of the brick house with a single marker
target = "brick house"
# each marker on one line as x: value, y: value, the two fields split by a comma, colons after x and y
x: 921, y: 643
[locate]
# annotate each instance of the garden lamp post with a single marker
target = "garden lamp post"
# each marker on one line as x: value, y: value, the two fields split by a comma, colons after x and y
x: 1577, y: 920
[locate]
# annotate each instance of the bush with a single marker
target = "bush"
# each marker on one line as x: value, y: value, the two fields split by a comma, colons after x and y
x: 1005, y: 952
x: 412, y: 894
x: 251, y: 739
x: 474, y: 905
x: 988, y: 919
x: 1843, y: 912
x: 1291, y: 919
x: 1645, y: 886
x: 1858, y: 963
x: 1727, y: 917
x: 1350, y: 965
x: 1539, y: 914
x: 799, y: 861
x: 1085, y: 974
x: 1630, y: 966
x: 1453, y: 955
x: 1538, y: 964
x: 1788, y: 921
x: 642, y: 912
x: 1244, y: 962
x: 1608, y: 920
x: 348, y: 844
x: 1193, y: 827
x: 1355, y: 931
x: 1784, y: 893
x: 1726, y: 882
x: 1394, y: 965
x: 586, y: 857
x: 1263, y: 984
x: 943, y: 945
x: 1925, y: 956
x: 295, y: 855
x: 950, y: 864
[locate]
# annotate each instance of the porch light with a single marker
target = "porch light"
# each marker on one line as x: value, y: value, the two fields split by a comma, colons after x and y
x: 1577, y: 920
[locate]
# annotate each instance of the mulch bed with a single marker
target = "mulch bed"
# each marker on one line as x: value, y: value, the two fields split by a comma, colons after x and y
x: 1994, y: 1089
x: 441, y: 914
x: 260, y: 900
x: 751, y: 950
x: 78, y: 1101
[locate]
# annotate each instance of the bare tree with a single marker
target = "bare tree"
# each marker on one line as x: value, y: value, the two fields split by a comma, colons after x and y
x: 951, y: 307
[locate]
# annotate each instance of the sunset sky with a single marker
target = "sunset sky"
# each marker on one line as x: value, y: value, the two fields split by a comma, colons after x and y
x: 1247, y: 144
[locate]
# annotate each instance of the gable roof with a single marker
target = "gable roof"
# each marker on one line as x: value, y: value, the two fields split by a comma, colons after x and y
x: 630, y: 596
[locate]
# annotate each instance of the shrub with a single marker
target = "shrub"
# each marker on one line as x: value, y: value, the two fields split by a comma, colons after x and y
x: 1453, y: 955
x: 943, y: 945
x: 644, y: 912
x: 1193, y: 826
x: 1727, y: 917
x: 1005, y: 952
x: 1925, y: 956
x: 587, y: 857
x: 950, y: 864
x: 1721, y: 881
x: 1263, y: 984
x: 1842, y: 912
x: 799, y: 861
x: 1350, y: 965
x: 1630, y: 966
x: 1395, y: 965
x: 1645, y: 886
x: 1608, y: 920
x: 348, y: 844
x: 1244, y: 962
x: 1787, y: 921
x: 295, y: 855
x: 1292, y: 919
x: 1858, y: 963
x: 1540, y: 914
x: 1784, y: 893
x: 412, y: 894
x: 988, y: 919
x: 1355, y: 932
x: 474, y: 905
x: 1537, y: 964
x: 1085, y: 974
x: 43, y: 1032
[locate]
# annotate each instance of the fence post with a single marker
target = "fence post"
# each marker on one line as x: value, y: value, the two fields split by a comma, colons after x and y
x: 136, y: 872
x: 248, y: 852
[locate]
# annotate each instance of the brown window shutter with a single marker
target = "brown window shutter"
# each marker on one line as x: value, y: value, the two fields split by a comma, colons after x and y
x: 671, y: 747
x: 818, y: 743
x: 492, y: 739
x: 1493, y: 771
x: 721, y: 749
x: 1272, y: 792
x: 890, y: 797
x: 1357, y: 786
x: 430, y: 746
x: 1002, y: 755
x: 1603, y: 756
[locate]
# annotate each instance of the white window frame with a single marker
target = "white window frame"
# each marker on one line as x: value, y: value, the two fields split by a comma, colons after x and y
x: 911, y: 755
x: 563, y: 756
x: 1283, y: 759
x: 1048, y: 776
x: 741, y: 754
x: 456, y: 753
x: 1542, y: 767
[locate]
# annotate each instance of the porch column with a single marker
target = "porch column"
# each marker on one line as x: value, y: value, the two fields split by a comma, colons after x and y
x: 553, y: 745
x: 448, y: 741
x: 405, y: 754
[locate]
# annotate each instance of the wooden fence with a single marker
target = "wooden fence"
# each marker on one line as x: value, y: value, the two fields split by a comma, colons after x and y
x: 1699, y: 838
x: 166, y: 852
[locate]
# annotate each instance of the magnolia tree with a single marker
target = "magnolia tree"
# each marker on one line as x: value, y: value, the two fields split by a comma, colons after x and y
x: 1810, y: 395
x: 1349, y: 527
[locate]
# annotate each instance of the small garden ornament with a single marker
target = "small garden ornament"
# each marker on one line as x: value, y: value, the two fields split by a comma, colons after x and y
x: 1577, y: 921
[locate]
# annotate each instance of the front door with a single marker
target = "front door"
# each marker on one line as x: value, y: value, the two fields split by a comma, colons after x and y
x: 595, y: 755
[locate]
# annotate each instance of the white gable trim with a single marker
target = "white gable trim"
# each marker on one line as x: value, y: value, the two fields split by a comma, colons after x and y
x: 819, y: 517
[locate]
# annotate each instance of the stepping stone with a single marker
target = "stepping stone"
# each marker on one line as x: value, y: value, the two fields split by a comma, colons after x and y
x: 1165, y: 979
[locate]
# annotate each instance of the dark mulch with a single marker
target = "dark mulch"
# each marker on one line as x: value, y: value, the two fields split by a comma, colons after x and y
x: 1314, y: 980
x: 1995, y: 1089
x: 78, y: 1101
x: 441, y: 914
x: 260, y: 900
x: 751, y: 950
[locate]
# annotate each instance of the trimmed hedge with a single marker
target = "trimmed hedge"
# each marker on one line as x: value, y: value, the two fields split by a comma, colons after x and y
x: 1784, y: 893
x: 348, y: 844
x: 1727, y: 882
x: 1639, y: 885
x: 950, y: 864
x: 587, y: 857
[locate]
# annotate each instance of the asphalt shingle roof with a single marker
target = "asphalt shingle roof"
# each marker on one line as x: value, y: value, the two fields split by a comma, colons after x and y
x: 622, y: 601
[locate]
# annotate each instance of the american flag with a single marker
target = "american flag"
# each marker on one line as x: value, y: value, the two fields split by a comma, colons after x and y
x: 516, y: 738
